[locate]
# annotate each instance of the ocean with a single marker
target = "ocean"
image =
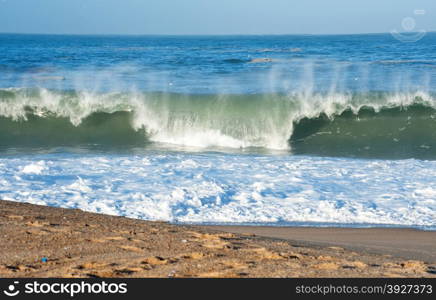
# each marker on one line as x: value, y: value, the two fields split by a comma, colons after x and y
x: 304, y: 130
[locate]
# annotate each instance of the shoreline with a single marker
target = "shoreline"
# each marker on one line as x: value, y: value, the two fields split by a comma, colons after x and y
x: 42, y: 241
x: 407, y: 243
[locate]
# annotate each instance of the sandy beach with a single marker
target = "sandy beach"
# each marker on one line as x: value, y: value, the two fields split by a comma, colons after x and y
x: 398, y: 242
x: 41, y: 241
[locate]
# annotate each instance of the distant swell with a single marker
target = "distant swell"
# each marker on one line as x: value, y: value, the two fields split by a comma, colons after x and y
x: 375, y: 124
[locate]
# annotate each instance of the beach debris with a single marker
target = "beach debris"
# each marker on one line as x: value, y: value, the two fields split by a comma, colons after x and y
x: 44, y: 259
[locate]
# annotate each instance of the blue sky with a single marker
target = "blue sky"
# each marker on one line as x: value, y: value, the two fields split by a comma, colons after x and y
x: 212, y: 16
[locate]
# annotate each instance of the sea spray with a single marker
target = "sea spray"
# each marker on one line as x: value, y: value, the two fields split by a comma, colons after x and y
x: 272, y: 121
x: 190, y: 129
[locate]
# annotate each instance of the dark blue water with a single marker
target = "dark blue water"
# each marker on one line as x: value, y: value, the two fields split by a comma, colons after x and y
x: 232, y: 64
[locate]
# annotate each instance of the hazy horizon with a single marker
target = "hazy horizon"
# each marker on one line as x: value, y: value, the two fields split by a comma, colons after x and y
x: 207, y: 17
x: 200, y: 35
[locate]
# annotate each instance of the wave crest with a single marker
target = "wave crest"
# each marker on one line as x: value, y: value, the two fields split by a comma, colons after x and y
x: 274, y: 121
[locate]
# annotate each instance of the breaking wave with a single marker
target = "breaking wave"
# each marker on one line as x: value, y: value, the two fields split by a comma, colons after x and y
x: 373, y: 124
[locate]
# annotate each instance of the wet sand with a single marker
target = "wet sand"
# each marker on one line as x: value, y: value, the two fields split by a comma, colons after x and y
x: 400, y: 242
x: 41, y: 241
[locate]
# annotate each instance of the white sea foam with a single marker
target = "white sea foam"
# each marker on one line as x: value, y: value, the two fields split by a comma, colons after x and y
x: 34, y: 168
x: 226, y: 188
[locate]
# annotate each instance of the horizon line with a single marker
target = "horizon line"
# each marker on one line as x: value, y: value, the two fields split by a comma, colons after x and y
x: 197, y: 34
